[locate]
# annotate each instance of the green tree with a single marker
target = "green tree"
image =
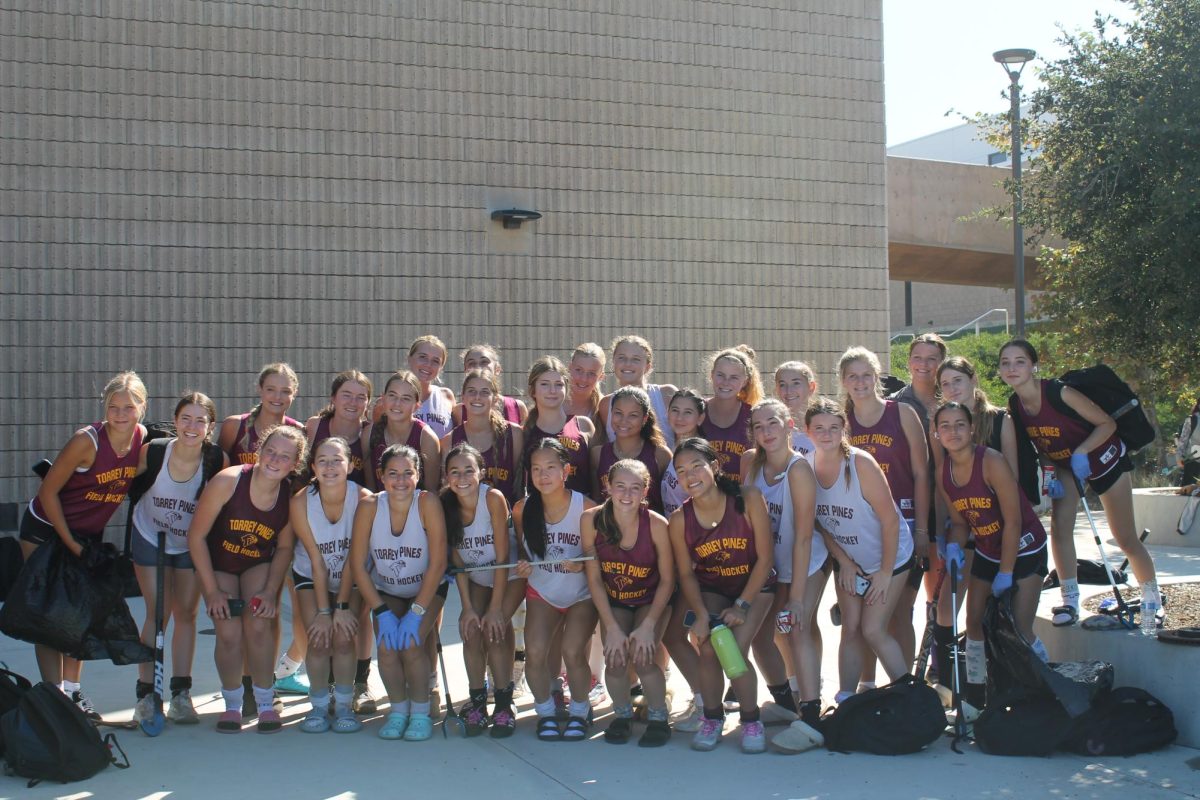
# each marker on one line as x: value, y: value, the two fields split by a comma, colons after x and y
x: 1118, y: 176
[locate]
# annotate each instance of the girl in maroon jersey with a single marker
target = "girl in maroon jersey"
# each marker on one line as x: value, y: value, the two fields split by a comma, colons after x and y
x: 721, y: 539
x: 637, y: 437
x: 500, y: 441
x: 892, y: 433
x: 477, y: 535
x: 241, y: 433
x: 349, y: 399
x: 736, y: 387
x: 631, y: 583
x: 401, y: 395
x: 486, y: 357
x: 88, y: 480
x: 983, y: 497
x: 241, y: 543
x: 1083, y: 446
x: 586, y: 373
x: 548, y: 392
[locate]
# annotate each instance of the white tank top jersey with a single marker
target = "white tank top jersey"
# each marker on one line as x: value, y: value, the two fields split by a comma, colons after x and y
x: 168, y: 506
x: 672, y: 493
x: 558, y: 587
x: 478, y: 546
x: 398, y: 562
x: 435, y: 411
x: 845, y: 513
x: 801, y: 443
x: 332, y: 538
x: 779, y: 509
x: 654, y: 391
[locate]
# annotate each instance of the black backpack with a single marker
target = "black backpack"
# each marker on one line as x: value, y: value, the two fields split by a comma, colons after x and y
x: 1104, y: 388
x: 1022, y: 722
x: 47, y: 737
x: 1122, y: 722
x: 902, y: 717
x: 12, y: 689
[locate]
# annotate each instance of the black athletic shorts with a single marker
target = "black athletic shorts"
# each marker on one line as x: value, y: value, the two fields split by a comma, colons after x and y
x: 1031, y: 564
x: 1107, y: 480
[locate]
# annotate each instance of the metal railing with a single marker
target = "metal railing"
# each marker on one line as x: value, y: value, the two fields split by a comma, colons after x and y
x: 975, y: 323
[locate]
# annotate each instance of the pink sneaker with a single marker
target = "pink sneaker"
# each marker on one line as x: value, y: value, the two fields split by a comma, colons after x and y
x: 709, y: 734
x: 754, y: 737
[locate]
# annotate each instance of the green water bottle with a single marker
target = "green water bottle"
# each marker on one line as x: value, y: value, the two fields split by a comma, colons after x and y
x: 728, y: 652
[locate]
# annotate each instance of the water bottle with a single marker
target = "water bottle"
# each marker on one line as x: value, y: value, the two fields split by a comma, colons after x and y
x: 1051, y: 487
x: 728, y: 652
x: 1150, y: 606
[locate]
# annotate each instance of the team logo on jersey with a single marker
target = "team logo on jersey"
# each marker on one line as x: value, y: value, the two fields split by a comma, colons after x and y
x: 397, y: 568
x: 472, y: 557
x: 555, y: 552
x: 173, y: 517
x: 622, y: 581
x: 335, y: 562
x: 248, y: 539
x: 721, y: 556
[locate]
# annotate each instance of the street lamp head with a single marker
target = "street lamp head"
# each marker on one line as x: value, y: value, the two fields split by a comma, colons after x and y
x: 1014, y: 56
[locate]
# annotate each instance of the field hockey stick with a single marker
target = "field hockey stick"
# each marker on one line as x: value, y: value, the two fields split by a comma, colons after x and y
x: 1123, y: 613
x: 927, y: 637
x: 451, y: 716
x: 960, y: 723
x: 153, y: 725
x: 546, y: 563
x: 1107, y: 605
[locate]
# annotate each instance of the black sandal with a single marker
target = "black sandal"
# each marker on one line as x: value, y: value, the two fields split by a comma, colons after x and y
x: 548, y: 730
x: 619, y: 731
x: 1063, y: 616
x: 576, y: 730
x: 657, y: 733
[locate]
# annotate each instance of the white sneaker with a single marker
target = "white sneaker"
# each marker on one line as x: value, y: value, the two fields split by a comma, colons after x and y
x: 85, y: 705
x: 771, y: 713
x: 144, y: 709
x: 754, y: 737
x: 689, y: 719
x: 708, y: 735
x: 181, y: 711
x: 797, y: 738
x: 865, y: 686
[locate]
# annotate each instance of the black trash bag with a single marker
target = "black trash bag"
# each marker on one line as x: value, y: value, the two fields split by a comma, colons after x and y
x: 1088, y: 572
x: 52, y: 600
x: 1013, y: 665
x: 115, y: 637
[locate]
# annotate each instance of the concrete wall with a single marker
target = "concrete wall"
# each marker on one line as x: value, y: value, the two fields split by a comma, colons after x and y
x: 195, y: 188
x: 943, y: 307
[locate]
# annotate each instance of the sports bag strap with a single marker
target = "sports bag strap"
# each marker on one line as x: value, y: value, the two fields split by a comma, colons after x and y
x: 155, y: 454
x: 213, y: 462
x: 1054, y: 388
x: 111, y: 741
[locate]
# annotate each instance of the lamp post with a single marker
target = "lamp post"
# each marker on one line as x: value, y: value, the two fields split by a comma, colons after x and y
x: 1013, y: 61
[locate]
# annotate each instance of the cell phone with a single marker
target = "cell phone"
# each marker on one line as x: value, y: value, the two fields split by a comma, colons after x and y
x: 236, y: 606
x: 689, y: 619
x: 861, y: 585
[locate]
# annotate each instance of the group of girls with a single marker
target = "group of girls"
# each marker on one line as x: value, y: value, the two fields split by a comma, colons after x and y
x: 652, y: 513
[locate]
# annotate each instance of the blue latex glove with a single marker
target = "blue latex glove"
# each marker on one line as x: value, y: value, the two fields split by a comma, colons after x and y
x: 389, y: 631
x: 1001, y: 583
x: 955, y: 558
x: 410, y: 625
x: 1080, y: 466
x: 1054, y: 489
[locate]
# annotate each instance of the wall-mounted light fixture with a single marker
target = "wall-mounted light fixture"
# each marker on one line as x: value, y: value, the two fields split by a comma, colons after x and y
x: 512, y: 218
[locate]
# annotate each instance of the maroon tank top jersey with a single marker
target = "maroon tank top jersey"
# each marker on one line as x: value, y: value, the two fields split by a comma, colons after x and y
x: 90, y: 497
x: 357, y: 461
x: 979, y: 506
x: 500, y: 468
x: 413, y: 441
x: 608, y: 457
x: 243, y: 535
x: 630, y: 576
x: 722, y: 557
x: 508, y: 409
x: 729, y: 442
x: 245, y: 444
x: 579, y: 467
x: 886, y: 442
x: 1056, y: 435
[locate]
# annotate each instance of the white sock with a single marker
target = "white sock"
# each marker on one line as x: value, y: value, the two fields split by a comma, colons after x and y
x: 402, y: 706
x: 70, y: 687
x: 319, y: 699
x: 579, y: 708
x: 285, y: 666
x: 1070, y: 593
x: 233, y: 698
x: 1039, y: 648
x: 545, y: 709
x: 419, y: 708
x: 343, y: 695
x: 264, y: 698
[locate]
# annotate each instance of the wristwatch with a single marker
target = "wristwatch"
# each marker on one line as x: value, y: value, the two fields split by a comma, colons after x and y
x: 417, y: 609
x: 341, y: 606
x: 741, y: 605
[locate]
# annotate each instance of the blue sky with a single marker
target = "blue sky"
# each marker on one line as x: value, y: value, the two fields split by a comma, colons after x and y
x: 938, y: 54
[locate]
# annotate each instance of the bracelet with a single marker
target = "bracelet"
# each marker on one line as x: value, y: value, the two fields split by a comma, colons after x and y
x: 342, y: 606
x: 379, y: 610
x: 326, y: 611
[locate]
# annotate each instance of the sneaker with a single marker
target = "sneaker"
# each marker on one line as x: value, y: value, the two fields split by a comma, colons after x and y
x: 435, y: 704
x: 365, y: 702
x: 754, y: 737
x: 598, y: 694
x: 144, y: 709
x: 708, y: 735
x: 772, y: 713
x: 689, y: 720
x: 865, y: 686
x: 476, y: 719
x: 797, y: 738
x: 181, y: 711
x: 292, y: 684
x: 503, y: 724
x: 85, y: 705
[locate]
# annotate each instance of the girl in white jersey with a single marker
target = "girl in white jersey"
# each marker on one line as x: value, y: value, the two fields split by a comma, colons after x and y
x: 586, y: 369
x: 398, y: 555
x: 326, y: 601
x: 633, y: 361
x: 557, y: 595
x: 426, y: 358
x: 796, y: 385
x: 477, y: 535
x: 787, y: 485
x: 860, y: 523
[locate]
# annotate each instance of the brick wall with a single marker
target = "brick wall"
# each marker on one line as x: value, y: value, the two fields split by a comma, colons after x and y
x: 193, y: 189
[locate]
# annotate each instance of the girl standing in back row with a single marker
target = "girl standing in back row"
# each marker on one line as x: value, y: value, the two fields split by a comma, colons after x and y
x: 633, y: 361
x: 241, y: 433
x: 736, y: 387
x: 548, y: 392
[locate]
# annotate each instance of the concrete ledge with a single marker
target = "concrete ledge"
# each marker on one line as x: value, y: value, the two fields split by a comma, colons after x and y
x: 1164, y: 670
x: 1158, y: 509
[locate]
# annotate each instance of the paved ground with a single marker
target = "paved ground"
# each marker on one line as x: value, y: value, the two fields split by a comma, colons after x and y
x: 195, y: 762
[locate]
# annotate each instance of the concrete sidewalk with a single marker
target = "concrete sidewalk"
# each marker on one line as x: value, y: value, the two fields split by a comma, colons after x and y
x: 198, y: 763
